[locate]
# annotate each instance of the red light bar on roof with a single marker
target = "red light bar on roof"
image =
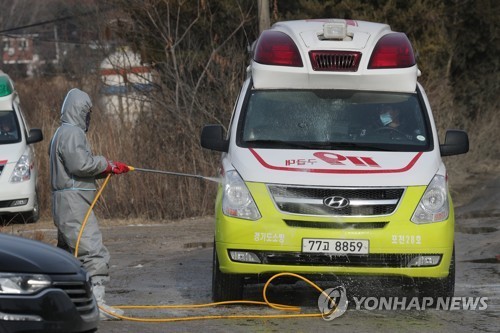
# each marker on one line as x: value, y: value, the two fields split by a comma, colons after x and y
x: 392, y: 51
x: 278, y: 49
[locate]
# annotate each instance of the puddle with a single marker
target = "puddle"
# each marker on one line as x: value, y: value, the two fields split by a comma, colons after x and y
x: 197, y: 245
x: 485, y: 213
x: 485, y: 260
x: 117, y: 291
x: 475, y: 230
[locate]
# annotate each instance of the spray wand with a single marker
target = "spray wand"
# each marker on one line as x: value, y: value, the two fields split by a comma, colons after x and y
x: 212, y: 179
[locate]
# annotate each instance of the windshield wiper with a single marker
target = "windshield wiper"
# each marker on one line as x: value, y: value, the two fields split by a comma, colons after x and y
x: 348, y: 145
x: 280, y: 143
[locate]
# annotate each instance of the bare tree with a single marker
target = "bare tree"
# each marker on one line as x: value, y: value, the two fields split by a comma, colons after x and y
x: 198, y: 53
x: 264, y: 18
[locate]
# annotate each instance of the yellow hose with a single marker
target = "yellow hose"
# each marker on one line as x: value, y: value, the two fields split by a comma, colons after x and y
x: 281, y: 307
x: 88, y: 213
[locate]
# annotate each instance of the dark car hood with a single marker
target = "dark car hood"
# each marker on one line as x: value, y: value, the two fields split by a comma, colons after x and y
x: 22, y: 255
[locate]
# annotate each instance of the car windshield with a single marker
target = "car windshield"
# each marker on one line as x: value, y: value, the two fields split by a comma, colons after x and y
x: 9, y: 128
x: 334, y: 119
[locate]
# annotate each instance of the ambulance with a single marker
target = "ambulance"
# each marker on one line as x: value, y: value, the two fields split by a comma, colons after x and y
x: 18, y: 171
x: 331, y: 166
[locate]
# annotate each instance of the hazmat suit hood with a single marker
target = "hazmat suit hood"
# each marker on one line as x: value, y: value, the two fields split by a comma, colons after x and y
x: 76, y: 109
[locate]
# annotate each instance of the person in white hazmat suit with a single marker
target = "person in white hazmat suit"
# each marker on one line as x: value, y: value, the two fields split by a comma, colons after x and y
x: 73, y: 170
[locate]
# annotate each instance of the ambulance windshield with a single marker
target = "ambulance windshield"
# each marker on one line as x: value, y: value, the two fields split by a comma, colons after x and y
x: 334, y: 119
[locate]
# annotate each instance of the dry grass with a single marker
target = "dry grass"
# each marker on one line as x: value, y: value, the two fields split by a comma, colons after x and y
x: 482, y: 160
x: 481, y: 163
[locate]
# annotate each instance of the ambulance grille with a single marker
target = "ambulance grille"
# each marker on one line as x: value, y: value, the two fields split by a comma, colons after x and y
x: 310, y: 200
x: 335, y: 61
x: 335, y: 225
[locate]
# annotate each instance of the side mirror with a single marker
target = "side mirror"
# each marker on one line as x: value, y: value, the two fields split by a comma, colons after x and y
x: 35, y: 135
x: 456, y: 142
x: 212, y: 137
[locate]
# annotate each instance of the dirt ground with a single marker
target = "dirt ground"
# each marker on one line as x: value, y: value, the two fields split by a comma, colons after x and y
x: 170, y: 262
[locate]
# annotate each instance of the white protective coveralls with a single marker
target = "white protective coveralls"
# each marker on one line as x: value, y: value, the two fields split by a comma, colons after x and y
x: 73, y: 170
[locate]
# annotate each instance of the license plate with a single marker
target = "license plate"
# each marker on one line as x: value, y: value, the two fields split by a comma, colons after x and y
x: 335, y: 246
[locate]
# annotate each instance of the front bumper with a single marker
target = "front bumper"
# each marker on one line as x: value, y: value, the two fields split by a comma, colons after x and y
x: 18, y: 191
x: 276, y: 239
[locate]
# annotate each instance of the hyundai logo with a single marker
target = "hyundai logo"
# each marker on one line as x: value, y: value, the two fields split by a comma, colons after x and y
x: 336, y: 202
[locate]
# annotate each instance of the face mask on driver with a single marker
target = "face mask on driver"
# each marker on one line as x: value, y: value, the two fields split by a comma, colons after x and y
x: 385, y: 118
x: 87, y: 121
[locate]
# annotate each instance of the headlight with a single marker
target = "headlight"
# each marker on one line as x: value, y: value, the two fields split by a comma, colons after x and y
x: 22, y: 170
x: 236, y: 199
x: 12, y: 283
x: 434, y: 206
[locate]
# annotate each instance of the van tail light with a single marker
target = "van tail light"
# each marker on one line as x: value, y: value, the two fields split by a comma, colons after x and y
x: 392, y: 51
x: 278, y: 49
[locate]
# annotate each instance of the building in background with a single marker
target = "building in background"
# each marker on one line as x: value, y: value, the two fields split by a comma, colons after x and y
x: 18, y: 52
x: 126, y: 83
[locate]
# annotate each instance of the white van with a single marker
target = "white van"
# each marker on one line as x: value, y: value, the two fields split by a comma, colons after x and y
x: 332, y: 164
x: 18, y: 172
